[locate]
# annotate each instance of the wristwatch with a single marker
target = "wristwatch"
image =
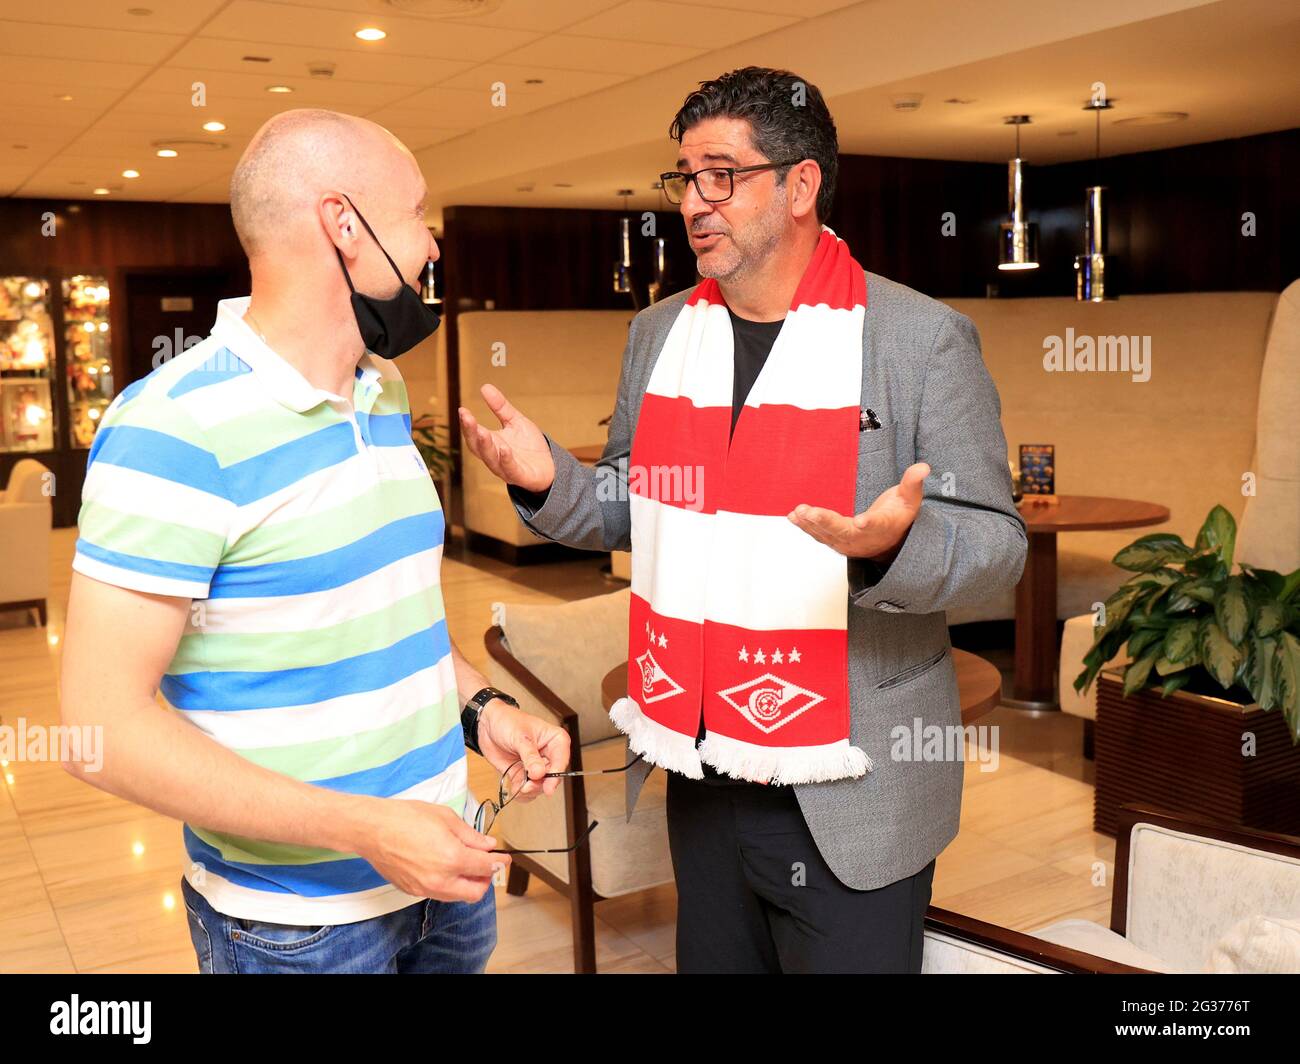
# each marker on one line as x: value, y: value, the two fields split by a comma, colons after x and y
x: 473, y: 710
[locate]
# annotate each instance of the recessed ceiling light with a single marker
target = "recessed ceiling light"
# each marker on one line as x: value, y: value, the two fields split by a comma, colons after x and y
x: 1067, y: 132
x: 278, y: 88
x: 214, y: 127
x: 533, y: 81
x: 130, y: 173
x: 563, y: 184
x: 139, y: 11
x: 256, y: 58
x: 371, y: 33
x: 18, y: 147
x: 955, y: 99
x: 167, y: 153
x: 1156, y: 118
x: 65, y: 97
x: 101, y: 192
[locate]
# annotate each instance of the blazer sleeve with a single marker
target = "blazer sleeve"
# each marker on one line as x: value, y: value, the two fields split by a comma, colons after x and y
x: 588, y: 508
x: 968, y: 540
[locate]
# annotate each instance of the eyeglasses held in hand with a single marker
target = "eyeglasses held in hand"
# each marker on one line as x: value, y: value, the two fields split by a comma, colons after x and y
x: 715, y: 184
x: 513, y: 780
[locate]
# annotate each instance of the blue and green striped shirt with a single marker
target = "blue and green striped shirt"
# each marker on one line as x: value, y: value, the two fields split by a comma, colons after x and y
x: 309, y: 535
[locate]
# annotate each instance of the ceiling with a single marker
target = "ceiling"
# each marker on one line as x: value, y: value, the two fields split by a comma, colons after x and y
x: 590, y: 85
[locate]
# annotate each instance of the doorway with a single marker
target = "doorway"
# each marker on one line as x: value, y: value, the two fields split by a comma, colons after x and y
x: 169, y: 311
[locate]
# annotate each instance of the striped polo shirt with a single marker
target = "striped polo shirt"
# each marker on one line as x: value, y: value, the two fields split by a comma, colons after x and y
x: 309, y: 535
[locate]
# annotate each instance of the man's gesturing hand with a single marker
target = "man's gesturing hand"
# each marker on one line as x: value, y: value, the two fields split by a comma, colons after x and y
x: 517, y: 452
x: 879, y: 532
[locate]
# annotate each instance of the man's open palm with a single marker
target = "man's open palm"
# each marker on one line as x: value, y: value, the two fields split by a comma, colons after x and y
x: 878, y: 531
x: 517, y: 452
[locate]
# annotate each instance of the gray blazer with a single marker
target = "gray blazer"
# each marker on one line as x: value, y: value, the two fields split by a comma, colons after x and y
x: 925, y: 379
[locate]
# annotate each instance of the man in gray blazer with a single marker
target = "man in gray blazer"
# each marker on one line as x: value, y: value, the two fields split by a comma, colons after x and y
x: 832, y: 876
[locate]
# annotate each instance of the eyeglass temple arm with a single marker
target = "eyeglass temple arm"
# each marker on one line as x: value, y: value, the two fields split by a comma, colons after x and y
x: 567, y: 849
x: 594, y: 771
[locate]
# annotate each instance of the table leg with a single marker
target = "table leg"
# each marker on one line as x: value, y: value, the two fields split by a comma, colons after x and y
x: 1036, y: 650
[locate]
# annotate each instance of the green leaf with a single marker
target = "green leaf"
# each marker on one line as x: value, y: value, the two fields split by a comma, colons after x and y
x: 1164, y: 666
x: 1231, y: 610
x: 1268, y: 578
x: 1261, y: 673
x: 1270, y: 618
x: 1135, y: 676
x: 1289, y: 584
x: 1219, y: 654
x: 1141, y: 639
x: 1151, y: 552
x: 1180, y: 639
x: 1174, y: 682
x: 1117, y: 608
x: 1219, y: 534
x: 1287, y: 678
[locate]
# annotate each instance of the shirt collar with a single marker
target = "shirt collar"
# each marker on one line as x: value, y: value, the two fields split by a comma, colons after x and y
x: 280, y: 378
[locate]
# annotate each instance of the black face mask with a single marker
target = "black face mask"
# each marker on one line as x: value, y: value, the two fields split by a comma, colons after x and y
x: 390, y: 327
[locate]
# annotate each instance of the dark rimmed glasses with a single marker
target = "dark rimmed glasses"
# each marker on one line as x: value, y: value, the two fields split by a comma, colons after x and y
x: 513, y: 780
x: 715, y: 184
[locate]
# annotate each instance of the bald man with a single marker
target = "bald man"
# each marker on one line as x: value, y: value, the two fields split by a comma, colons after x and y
x: 261, y: 544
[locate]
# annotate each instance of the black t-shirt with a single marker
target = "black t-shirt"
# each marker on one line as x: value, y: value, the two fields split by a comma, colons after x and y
x: 753, y: 343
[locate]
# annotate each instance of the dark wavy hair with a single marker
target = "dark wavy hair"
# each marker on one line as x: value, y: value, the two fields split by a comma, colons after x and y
x: 787, y: 116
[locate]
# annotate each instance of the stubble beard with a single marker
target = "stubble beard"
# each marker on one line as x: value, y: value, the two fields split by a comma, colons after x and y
x: 748, y: 252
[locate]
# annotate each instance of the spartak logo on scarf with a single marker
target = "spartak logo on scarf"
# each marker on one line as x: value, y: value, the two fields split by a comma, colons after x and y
x: 737, y: 614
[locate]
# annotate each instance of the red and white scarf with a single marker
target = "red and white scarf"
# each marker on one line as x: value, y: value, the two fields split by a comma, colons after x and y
x: 737, y: 613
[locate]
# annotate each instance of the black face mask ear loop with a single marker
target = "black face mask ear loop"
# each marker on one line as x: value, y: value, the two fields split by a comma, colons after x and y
x: 362, y: 219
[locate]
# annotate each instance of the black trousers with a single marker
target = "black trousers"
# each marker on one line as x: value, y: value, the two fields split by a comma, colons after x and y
x: 754, y: 894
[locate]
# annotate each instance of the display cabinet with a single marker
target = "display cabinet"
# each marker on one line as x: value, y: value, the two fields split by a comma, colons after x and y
x: 88, y: 354
x: 57, y: 373
x: 27, y: 360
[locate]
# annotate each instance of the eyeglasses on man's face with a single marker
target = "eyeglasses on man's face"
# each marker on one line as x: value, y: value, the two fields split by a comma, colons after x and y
x: 513, y: 781
x: 715, y: 184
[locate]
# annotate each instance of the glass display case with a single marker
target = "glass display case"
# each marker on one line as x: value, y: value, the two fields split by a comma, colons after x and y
x: 27, y: 359
x: 88, y: 354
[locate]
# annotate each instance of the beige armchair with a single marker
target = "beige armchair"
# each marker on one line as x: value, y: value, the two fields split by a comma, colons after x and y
x: 26, y: 516
x: 1188, y: 895
x: 553, y: 658
x: 1193, y: 895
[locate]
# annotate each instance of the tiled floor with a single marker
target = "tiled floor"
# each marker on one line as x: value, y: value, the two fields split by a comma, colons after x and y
x: 89, y: 882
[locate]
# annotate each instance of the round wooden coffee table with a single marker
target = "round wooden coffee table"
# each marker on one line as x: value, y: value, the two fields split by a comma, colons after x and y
x: 1034, y: 686
x: 979, y: 685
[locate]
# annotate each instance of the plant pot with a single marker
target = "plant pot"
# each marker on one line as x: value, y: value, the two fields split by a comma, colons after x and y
x: 1187, y: 753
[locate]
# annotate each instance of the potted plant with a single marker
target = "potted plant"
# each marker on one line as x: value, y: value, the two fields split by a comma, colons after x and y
x: 1206, y: 714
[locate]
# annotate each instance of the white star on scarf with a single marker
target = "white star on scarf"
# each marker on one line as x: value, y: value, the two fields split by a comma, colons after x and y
x: 794, y: 654
x: 744, y: 654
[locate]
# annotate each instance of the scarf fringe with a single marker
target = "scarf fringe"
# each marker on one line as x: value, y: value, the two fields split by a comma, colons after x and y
x: 791, y: 764
x: 657, y: 744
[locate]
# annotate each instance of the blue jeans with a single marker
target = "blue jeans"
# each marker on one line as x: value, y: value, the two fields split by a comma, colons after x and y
x: 429, y: 937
